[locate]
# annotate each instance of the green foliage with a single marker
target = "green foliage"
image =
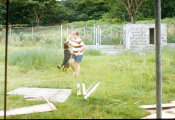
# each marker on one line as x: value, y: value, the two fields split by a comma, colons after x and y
x: 168, y: 8
x: 19, y: 12
x: 2, y: 12
x: 116, y: 11
x: 50, y: 12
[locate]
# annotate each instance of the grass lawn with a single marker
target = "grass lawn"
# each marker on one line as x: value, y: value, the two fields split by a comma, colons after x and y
x: 127, y: 77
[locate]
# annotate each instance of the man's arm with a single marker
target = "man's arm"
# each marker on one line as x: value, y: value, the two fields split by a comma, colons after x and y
x: 83, y: 48
x: 68, y: 39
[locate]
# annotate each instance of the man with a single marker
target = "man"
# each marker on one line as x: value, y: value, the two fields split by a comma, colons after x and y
x: 78, y: 47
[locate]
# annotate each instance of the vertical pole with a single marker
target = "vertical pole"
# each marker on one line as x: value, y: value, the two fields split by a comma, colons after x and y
x: 158, y: 59
x: 32, y: 32
x: 6, y: 59
x: 84, y: 31
x: 61, y: 36
x: 72, y: 28
x: 84, y: 89
x: 10, y: 34
x: 94, y: 34
x: 111, y: 32
x: 97, y: 33
x: 67, y: 32
x: 100, y: 35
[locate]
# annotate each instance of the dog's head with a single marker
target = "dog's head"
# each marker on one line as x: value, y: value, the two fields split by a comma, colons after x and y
x: 66, y: 46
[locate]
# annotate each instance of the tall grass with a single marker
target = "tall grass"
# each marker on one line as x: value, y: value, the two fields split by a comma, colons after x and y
x: 127, y: 77
x: 37, y: 58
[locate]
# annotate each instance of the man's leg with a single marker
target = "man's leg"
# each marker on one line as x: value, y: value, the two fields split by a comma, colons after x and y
x: 72, y: 65
x: 78, y: 69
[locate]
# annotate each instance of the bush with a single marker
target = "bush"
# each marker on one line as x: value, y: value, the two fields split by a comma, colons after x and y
x: 171, y: 39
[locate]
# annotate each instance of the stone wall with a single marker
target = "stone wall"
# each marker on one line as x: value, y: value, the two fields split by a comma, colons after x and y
x: 137, y: 36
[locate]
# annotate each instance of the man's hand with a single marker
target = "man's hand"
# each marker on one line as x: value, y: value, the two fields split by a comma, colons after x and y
x: 78, y: 53
x: 68, y: 39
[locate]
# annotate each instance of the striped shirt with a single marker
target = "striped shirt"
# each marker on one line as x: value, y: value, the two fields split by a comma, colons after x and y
x: 76, y: 45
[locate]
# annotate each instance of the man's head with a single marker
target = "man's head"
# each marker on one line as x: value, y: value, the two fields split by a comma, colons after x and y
x: 66, y: 46
x: 75, y: 34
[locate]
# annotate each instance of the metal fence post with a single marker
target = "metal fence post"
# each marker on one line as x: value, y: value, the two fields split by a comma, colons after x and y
x: 67, y: 32
x: 94, y: 34
x: 32, y: 32
x: 84, y: 31
x: 10, y: 33
x: 111, y: 32
x: 100, y: 35
x: 61, y: 36
x: 158, y: 59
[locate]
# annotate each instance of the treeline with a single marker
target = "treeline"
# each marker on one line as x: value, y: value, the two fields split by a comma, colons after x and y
x: 50, y: 12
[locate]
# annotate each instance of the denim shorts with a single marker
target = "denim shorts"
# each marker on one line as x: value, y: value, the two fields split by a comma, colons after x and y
x: 77, y: 58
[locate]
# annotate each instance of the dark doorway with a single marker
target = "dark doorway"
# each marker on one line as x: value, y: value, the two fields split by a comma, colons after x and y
x: 151, y: 36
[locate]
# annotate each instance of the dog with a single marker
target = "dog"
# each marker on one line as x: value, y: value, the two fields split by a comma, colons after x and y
x: 67, y: 54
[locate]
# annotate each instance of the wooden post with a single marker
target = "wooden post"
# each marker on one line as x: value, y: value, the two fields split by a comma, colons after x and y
x: 84, y: 89
x: 89, y: 88
x: 90, y: 92
x: 78, y: 89
x: 6, y: 60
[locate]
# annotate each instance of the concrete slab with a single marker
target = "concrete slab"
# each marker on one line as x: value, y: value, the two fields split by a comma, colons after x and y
x: 171, y: 111
x: 168, y: 105
x: 53, y: 95
x: 30, y: 109
x: 164, y: 116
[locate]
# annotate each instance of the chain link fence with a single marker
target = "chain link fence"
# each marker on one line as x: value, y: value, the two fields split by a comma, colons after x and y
x: 91, y: 35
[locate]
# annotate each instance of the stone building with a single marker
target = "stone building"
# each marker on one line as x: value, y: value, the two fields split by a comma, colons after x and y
x: 142, y: 36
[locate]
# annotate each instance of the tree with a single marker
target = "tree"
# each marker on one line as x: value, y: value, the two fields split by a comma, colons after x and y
x: 82, y: 10
x: 132, y: 7
x: 19, y: 12
x: 2, y: 12
x: 37, y: 9
x: 55, y: 12
x: 168, y: 8
x: 92, y: 9
x: 117, y: 12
